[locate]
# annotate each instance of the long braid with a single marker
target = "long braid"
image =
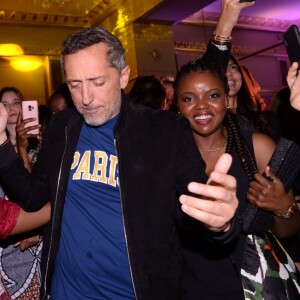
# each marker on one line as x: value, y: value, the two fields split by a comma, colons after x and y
x: 234, y: 137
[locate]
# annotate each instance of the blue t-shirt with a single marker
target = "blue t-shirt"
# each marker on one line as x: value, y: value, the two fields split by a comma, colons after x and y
x: 92, y: 260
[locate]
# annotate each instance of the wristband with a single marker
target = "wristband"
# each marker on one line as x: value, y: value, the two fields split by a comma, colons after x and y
x: 220, y: 40
x: 289, y: 213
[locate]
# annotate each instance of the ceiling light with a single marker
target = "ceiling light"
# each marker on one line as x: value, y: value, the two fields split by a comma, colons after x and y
x: 10, y: 50
x: 25, y: 63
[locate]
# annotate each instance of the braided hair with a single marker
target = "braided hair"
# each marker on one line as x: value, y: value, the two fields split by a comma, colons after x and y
x: 234, y: 136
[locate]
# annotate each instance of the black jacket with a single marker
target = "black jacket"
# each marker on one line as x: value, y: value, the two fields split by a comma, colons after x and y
x: 157, y: 158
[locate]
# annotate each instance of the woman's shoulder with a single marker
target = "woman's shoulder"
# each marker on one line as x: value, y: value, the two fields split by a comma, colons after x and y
x: 261, y: 139
x: 264, y: 147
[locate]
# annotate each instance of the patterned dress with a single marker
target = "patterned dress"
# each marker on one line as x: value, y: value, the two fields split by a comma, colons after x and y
x: 20, y: 270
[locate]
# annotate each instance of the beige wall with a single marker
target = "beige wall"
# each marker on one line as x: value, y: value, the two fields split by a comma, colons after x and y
x: 31, y: 84
x: 43, y: 42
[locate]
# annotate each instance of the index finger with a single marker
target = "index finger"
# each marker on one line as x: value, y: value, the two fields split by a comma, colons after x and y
x: 212, y: 192
x: 19, y: 119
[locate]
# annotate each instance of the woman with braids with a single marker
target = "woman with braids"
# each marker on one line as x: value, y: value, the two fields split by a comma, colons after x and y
x: 201, y: 92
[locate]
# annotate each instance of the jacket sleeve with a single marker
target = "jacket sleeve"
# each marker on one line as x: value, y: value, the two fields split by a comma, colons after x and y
x: 231, y: 235
x: 219, y: 57
x: 189, y: 164
x: 30, y: 191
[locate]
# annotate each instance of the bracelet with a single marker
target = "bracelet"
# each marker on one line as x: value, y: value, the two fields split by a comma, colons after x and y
x: 4, y: 143
x: 220, y: 40
x: 289, y: 213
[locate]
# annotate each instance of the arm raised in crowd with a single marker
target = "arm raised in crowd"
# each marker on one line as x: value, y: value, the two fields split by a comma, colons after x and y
x: 218, y: 49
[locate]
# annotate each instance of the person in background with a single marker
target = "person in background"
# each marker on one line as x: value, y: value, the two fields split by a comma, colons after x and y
x: 60, y: 99
x: 291, y: 96
x: 287, y: 116
x: 169, y: 104
x: 246, y: 102
x: 148, y: 91
x: 20, y: 255
x: 12, y: 99
x: 218, y: 273
x: 114, y: 183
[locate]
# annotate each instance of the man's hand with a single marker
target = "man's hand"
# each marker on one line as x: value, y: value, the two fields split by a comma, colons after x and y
x: 217, y: 200
x: 3, y: 123
x: 293, y: 81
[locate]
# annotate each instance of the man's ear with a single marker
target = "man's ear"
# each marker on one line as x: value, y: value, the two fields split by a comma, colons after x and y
x: 124, y: 78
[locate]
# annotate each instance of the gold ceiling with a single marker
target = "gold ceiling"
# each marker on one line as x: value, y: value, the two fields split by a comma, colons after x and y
x: 83, y: 13
x: 66, y: 13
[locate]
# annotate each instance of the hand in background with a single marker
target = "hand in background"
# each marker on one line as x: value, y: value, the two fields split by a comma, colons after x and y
x: 22, y: 133
x: 29, y: 242
x: 269, y: 193
x: 22, y: 139
x: 3, y: 123
x: 293, y: 81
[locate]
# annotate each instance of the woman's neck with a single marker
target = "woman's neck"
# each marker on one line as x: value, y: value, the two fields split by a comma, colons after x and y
x: 232, y: 103
x: 209, y: 143
x: 11, y: 128
x: 211, y: 147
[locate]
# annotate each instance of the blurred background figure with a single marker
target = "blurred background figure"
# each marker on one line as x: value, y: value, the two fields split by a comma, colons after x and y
x: 246, y: 102
x: 288, y: 117
x: 289, y: 128
x: 60, y: 99
x: 149, y: 91
x: 169, y: 104
x: 12, y: 99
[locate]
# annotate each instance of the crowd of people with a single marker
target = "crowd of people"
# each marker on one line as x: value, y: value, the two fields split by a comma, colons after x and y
x: 162, y: 193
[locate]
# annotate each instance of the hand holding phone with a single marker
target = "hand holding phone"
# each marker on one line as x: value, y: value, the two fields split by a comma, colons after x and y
x: 291, y: 40
x: 30, y: 110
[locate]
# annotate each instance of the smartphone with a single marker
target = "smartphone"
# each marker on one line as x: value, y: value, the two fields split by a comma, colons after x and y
x: 291, y: 39
x: 30, y: 109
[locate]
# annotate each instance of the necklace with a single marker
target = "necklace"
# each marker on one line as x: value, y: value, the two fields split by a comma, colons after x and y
x: 215, y: 149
